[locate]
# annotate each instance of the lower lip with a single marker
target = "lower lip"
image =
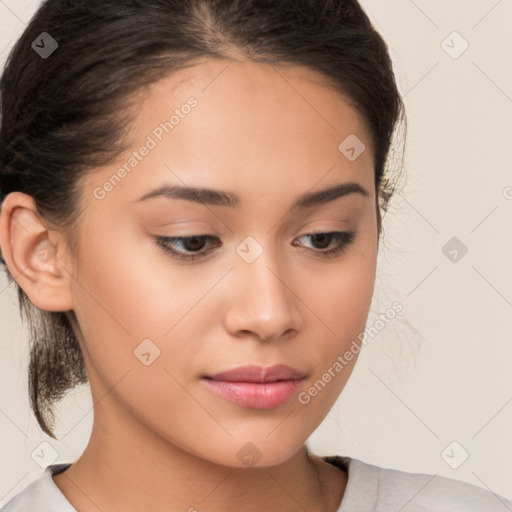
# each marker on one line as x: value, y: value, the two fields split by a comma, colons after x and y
x: 264, y: 395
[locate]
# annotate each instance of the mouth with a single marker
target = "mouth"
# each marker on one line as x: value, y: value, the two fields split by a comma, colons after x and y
x: 256, y: 387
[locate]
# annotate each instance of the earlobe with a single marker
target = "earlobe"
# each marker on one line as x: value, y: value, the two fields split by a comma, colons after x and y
x: 35, y: 255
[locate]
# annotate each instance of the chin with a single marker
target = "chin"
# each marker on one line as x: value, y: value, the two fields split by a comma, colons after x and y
x: 260, y: 453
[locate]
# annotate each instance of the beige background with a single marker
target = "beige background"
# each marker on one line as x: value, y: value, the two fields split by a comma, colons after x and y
x: 441, y: 371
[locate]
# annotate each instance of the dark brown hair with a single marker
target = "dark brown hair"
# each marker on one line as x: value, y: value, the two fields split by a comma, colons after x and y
x: 66, y: 114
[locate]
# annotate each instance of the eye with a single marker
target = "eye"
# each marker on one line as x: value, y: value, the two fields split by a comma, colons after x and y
x: 193, y: 247
x: 192, y: 244
x: 342, y: 238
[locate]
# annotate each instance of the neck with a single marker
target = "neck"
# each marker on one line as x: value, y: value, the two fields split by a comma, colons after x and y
x: 133, y: 469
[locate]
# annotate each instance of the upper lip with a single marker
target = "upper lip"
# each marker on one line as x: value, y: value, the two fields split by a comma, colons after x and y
x: 254, y: 373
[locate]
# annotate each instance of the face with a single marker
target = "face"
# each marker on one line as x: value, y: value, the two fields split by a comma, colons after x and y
x: 265, y: 279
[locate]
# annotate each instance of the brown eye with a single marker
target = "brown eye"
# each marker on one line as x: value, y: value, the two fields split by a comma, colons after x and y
x: 343, y: 240
x: 191, y: 245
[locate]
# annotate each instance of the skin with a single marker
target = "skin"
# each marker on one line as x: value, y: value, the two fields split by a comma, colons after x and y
x: 161, y: 440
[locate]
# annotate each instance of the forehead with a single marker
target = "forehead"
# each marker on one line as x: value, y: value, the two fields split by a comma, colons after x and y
x: 238, y: 89
x: 251, y: 123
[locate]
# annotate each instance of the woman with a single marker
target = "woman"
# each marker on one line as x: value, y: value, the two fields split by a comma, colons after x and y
x: 193, y: 194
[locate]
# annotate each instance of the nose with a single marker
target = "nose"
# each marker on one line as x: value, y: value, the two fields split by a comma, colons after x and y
x: 262, y: 300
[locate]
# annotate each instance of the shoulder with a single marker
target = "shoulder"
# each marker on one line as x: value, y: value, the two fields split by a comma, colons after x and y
x: 387, y: 489
x: 436, y: 493
x: 41, y: 494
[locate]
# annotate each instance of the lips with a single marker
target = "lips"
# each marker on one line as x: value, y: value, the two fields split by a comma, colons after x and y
x: 255, y: 386
x: 252, y: 373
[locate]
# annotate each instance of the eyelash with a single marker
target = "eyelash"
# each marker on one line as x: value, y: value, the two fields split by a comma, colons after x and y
x: 345, y: 238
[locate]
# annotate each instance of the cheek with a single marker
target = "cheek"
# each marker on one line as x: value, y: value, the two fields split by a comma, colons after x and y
x: 341, y: 307
x: 114, y: 301
x: 122, y: 284
x: 343, y: 295
x: 127, y: 293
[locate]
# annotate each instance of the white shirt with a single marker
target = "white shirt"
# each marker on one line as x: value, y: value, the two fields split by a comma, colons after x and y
x: 369, y: 489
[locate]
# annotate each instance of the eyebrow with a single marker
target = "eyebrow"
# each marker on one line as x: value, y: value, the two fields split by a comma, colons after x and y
x: 230, y: 200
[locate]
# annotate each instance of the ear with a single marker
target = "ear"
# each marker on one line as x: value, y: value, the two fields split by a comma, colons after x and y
x: 35, y: 255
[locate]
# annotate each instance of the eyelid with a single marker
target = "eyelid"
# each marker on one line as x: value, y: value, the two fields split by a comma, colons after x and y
x: 163, y: 242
